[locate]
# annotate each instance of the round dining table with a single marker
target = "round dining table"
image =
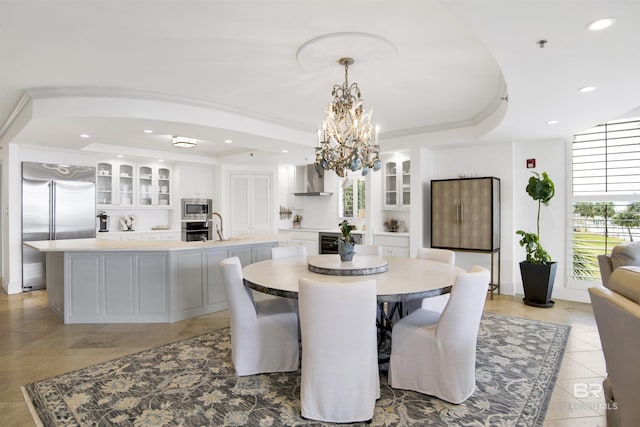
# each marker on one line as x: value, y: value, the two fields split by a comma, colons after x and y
x: 398, y: 279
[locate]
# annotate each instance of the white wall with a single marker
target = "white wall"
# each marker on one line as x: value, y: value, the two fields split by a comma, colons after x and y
x: 507, y: 161
x: 483, y: 159
x: 551, y: 157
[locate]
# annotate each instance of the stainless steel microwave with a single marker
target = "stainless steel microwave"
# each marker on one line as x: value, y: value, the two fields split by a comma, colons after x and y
x: 196, y: 209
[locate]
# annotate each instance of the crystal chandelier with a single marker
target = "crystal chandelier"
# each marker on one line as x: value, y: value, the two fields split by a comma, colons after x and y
x: 345, y: 140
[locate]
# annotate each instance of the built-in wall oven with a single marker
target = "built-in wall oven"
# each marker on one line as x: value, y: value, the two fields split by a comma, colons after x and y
x: 196, y: 209
x: 193, y: 231
x: 328, y: 242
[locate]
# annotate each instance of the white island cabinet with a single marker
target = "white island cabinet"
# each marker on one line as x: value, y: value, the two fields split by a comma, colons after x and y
x: 105, y: 281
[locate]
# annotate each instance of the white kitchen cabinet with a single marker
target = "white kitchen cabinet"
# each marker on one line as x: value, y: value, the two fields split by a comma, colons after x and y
x: 151, y: 236
x: 105, y: 195
x: 129, y: 185
x: 250, y: 203
x: 395, y: 245
x: 172, y: 235
x: 308, y: 239
x: 108, y: 236
x: 154, y: 185
x: 130, y: 237
x: 196, y: 181
x: 397, y: 183
x: 125, y: 184
x: 163, y: 186
x: 140, y: 235
x: 114, y: 184
x: 145, y: 187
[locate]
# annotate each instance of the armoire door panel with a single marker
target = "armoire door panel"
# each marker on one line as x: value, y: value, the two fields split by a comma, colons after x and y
x: 475, y: 224
x: 445, y: 230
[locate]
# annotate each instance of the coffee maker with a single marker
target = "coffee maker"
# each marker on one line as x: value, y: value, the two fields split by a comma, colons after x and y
x: 103, y: 222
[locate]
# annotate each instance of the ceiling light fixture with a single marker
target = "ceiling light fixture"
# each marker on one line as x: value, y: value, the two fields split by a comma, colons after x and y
x: 183, y: 142
x: 228, y: 141
x: 147, y: 131
x: 587, y: 89
x: 85, y: 135
x: 347, y: 140
x: 601, y: 24
x: 552, y: 122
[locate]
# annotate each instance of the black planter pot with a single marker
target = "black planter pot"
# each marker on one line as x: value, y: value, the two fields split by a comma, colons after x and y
x: 537, y: 280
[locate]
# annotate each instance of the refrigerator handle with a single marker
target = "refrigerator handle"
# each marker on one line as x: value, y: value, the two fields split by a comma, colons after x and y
x: 52, y: 210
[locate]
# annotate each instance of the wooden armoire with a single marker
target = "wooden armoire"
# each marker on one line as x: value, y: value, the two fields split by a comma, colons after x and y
x: 465, y: 216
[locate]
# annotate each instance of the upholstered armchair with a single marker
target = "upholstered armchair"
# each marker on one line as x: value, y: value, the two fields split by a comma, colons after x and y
x: 622, y: 254
x: 617, y: 313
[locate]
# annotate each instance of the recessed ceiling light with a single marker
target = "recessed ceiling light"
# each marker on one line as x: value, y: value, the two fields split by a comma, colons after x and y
x: 601, y: 24
x: 552, y: 122
x: 120, y: 156
x: 587, y: 89
x: 228, y: 141
x: 148, y: 131
x: 161, y: 160
x: 285, y: 151
x: 85, y: 135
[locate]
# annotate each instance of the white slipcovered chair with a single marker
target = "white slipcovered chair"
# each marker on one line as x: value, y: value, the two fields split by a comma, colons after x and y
x: 435, y: 353
x: 264, y: 335
x: 434, y: 303
x: 435, y: 254
x: 288, y: 251
x: 340, y: 380
x: 368, y: 250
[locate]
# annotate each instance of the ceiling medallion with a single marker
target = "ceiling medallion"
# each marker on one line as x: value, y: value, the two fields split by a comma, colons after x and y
x: 347, y: 140
x: 183, y: 142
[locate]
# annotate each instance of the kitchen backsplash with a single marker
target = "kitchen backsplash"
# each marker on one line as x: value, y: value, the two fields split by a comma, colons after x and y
x: 145, y: 219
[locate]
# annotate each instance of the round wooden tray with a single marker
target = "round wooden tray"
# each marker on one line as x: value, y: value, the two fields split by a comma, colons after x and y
x: 361, y: 265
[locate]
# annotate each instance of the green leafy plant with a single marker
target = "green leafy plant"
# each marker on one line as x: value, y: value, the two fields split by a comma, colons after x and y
x: 346, y: 232
x: 542, y: 190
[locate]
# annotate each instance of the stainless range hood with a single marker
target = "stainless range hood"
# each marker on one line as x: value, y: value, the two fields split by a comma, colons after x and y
x: 309, y: 181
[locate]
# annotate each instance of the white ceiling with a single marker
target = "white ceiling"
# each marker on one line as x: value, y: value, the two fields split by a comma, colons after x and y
x: 250, y: 71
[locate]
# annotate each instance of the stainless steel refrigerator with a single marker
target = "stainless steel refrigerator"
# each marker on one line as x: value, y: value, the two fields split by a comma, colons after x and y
x: 58, y: 202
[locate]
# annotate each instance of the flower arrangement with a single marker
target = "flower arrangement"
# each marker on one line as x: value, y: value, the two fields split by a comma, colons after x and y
x: 128, y: 223
x: 392, y: 225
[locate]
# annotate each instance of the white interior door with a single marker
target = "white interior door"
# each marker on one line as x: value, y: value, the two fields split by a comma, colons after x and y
x: 250, y: 203
x: 261, y: 204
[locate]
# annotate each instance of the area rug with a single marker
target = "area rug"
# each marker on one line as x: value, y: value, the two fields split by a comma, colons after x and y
x: 192, y: 383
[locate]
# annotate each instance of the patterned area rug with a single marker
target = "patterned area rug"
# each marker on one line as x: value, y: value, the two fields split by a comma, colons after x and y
x: 192, y: 383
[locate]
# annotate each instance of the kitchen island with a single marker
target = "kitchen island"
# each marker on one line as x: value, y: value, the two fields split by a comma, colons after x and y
x: 106, y: 281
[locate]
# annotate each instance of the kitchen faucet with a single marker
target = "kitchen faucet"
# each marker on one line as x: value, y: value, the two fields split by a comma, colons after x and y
x: 218, y: 229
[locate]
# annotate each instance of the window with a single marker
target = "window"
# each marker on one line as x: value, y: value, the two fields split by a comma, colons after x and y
x: 352, y: 197
x: 606, y: 194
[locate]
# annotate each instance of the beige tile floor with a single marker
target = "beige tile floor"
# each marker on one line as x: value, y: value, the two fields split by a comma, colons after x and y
x: 36, y: 345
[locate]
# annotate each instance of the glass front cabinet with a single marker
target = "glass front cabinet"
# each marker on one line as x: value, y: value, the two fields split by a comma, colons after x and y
x: 397, y: 183
x: 128, y: 185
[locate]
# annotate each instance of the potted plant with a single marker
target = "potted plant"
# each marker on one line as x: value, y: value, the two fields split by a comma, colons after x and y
x: 538, y: 272
x: 346, y: 242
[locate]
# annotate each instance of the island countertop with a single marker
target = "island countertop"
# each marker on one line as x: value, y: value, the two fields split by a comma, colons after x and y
x: 89, y: 245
